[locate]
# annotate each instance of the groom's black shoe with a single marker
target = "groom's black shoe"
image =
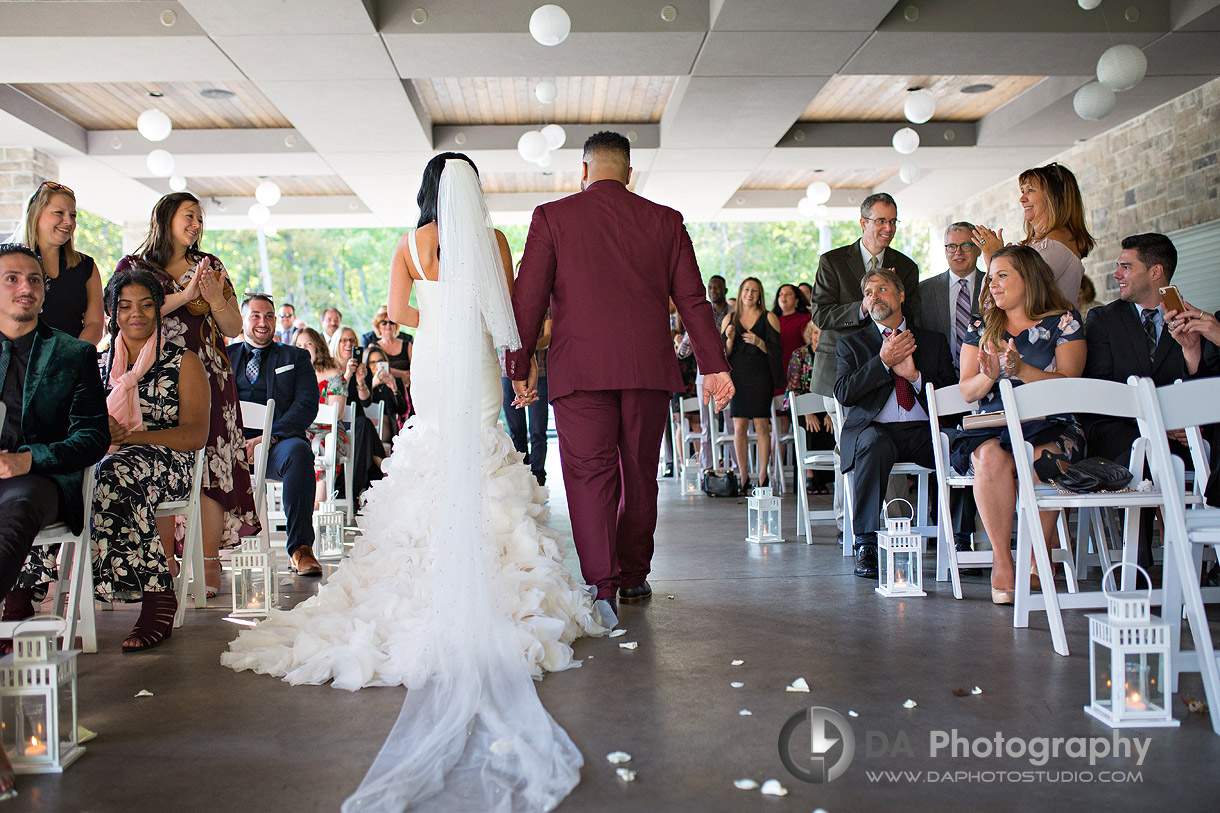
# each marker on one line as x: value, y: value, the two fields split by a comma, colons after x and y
x: 630, y: 595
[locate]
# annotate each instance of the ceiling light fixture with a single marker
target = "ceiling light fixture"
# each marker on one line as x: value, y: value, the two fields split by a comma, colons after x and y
x: 168, y: 18
x: 217, y: 94
x: 532, y: 145
x: 554, y: 135
x: 419, y: 16
x: 268, y: 193
x: 156, y: 94
x: 1088, y: 5
x: 669, y: 14
x: 154, y: 125
x: 980, y: 87
x: 550, y: 24
x: 177, y: 183
x: 906, y: 141
x: 258, y: 214
x: 908, y: 173
x: 818, y: 192
x: 160, y: 163
x: 546, y: 91
x: 919, y: 107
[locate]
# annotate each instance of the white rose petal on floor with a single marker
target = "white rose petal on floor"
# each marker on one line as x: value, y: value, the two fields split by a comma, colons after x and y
x: 618, y: 757
x: 798, y: 685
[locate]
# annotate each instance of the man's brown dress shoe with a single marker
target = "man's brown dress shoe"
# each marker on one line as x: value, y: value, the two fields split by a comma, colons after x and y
x: 305, y: 563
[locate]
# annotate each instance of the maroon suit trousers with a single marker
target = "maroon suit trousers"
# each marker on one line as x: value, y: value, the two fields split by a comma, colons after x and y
x: 609, y: 446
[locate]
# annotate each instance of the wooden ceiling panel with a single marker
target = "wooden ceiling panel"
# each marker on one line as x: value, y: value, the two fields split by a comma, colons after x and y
x: 565, y: 183
x: 117, y: 106
x: 511, y: 100
x: 237, y: 187
x: 880, y: 98
x: 837, y: 178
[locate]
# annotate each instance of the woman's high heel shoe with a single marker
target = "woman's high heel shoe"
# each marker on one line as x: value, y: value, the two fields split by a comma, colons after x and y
x: 1003, y: 596
x: 156, y: 621
x: 746, y: 488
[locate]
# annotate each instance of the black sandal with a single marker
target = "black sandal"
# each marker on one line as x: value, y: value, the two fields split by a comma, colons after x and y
x: 156, y: 621
x: 18, y: 606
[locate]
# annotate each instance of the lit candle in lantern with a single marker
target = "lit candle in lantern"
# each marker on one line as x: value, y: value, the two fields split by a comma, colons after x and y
x: 35, y: 748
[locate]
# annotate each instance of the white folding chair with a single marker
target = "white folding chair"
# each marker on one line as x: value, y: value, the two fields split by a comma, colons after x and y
x: 376, y: 413
x: 807, y: 461
x: 780, y: 443
x: 721, y: 442
x: 921, y: 478
x: 1183, y: 406
x: 75, y: 573
x: 254, y: 415
x: 1066, y: 396
x: 686, y: 441
x: 943, y: 403
x: 190, y: 571
x: 328, y: 460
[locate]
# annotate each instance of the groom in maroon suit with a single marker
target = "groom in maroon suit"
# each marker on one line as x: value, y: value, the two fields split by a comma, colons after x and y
x: 607, y: 262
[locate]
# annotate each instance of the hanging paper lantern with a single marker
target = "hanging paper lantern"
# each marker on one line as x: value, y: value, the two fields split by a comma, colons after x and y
x: 268, y: 193
x: 806, y: 207
x: 554, y: 135
x: 1088, y: 5
x: 258, y: 214
x: 532, y: 145
x: 177, y: 183
x: 818, y: 192
x: 550, y: 24
x: 1093, y: 101
x: 154, y: 125
x: 1122, y: 67
x: 908, y: 173
x: 160, y: 163
x: 545, y: 160
x: 546, y: 91
x: 906, y: 141
x: 919, y: 107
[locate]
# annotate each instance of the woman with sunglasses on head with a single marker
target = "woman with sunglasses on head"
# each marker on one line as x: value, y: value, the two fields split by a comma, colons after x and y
x: 201, y: 313
x: 1054, y: 225
x: 73, y: 285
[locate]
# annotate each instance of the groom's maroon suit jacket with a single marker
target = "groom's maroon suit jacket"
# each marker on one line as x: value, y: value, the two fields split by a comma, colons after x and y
x: 607, y: 262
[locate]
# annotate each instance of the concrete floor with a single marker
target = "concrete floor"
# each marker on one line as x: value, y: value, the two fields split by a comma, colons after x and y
x: 213, y: 740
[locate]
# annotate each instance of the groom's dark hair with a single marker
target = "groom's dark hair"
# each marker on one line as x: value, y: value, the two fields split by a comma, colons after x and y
x: 608, y: 141
x: 429, y: 187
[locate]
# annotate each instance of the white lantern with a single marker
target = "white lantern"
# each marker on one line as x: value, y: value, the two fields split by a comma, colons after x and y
x: 258, y: 214
x: 821, y: 212
x: 160, y: 163
x: 550, y: 24
x: 1094, y: 101
x: 900, y: 556
x: 919, y: 107
x: 908, y: 173
x: 906, y: 141
x: 38, y: 699
x: 267, y: 193
x: 546, y: 91
x: 1122, y: 67
x: 1129, y: 661
x: 255, y: 590
x: 806, y: 207
x: 1088, y: 5
x: 545, y: 160
x: 154, y: 125
x: 690, y: 477
x: 177, y: 183
x: 532, y: 145
x: 554, y: 135
x: 763, y: 517
x: 818, y: 192
x: 328, y: 532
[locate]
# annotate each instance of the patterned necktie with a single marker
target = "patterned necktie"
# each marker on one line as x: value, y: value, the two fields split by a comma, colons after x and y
x: 1150, y: 329
x: 6, y: 355
x: 253, y: 364
x: 873, y: 263
x: 961, y: 319
x: 902, y: 388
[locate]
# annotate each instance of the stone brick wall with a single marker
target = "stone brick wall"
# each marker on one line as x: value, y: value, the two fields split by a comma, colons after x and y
x: 1157, y: 172
x: 22, y: 169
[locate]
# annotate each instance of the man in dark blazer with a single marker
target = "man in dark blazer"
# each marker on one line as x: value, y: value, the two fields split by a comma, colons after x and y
x: 607, y: 262
x: 1129, y: 336
x: 946, y: 303
x: 882, y: 371
x: 837, y: 308
x: 55, y: 423
x: 266, y: 369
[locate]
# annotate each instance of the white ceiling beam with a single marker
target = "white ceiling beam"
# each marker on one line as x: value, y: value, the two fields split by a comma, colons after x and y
x: 289, y: 17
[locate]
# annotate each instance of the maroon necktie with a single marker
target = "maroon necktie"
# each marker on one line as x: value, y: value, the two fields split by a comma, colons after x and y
x: 902, y: 388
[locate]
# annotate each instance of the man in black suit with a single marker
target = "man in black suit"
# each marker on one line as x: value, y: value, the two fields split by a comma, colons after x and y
x: 881, y: 375
x: 55, y: 423
x: 946, y: 303
x: 1129, y: 336
x: 265, y: 369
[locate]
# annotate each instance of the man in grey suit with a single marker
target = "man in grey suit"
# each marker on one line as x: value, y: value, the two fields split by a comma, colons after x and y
x: 946, y: 303
x: 837, y: 301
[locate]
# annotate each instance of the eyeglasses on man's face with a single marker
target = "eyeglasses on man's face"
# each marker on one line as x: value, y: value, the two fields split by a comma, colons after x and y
x: 882, y: 221
x: 953, y: 248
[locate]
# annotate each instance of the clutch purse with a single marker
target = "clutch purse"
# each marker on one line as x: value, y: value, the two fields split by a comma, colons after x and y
x: 984, y: 420
x: 1092, y: 475
x: 720, y: 483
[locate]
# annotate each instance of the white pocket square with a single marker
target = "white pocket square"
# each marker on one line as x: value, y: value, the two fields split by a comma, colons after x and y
x: 283, y: 369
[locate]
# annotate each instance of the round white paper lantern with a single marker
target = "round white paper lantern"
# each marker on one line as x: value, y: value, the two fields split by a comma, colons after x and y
x: 258, y: 214
x: 806, y: 207
x: 546, y: 91
x: 177, y: 183
x: 906, y: 141
x: 821, y: 212
x: 154, y: 125
x: 268, y: 193
x: 919, y: 106
x: 270, y: 231
x: 550, y: 24
x: 545, y: 160
x: 532, y: 145
x: 1093, y: 101
x: 1088, y: 5
x: 554, y: 135
x: 818, y: 192
x: 1122, y: 67
x: 908, y: 173
x: 160, y: 163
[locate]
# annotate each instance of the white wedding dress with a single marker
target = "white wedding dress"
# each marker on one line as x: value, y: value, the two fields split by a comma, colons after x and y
x: 455, y: 589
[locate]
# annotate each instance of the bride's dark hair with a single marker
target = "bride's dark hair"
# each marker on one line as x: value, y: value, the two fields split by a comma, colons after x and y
x: 429, y: 187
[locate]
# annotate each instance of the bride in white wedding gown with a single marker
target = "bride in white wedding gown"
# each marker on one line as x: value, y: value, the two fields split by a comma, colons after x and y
x: 455, y: 590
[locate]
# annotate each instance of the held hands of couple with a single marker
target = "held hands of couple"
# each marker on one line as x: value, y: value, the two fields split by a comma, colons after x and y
x: 527, y: 390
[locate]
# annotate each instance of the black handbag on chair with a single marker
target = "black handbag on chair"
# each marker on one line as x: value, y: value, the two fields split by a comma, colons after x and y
x: 720, y: 483
x: 1092, y: 475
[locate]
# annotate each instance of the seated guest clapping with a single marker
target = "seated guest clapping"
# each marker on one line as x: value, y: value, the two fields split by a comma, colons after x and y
x: 880, y: 377
x: 54, y: 426
x: 266, y: 369
x: 1029, y: 332
x: 159, y: 404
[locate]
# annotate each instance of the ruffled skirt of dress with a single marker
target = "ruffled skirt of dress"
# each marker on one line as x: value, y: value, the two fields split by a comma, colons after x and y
x: 368, y: 624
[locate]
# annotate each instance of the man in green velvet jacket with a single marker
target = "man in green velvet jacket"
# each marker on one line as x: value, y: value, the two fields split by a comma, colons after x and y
x: 55, y: 423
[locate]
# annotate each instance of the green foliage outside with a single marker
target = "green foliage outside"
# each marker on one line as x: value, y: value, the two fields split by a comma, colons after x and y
x: 350, y: 268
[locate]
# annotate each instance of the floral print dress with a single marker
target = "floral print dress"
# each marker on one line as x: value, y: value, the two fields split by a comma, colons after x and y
x: 128, y: 557
x: 1037, y: 347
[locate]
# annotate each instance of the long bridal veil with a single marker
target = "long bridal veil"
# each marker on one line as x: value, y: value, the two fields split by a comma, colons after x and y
x: 475, y: 736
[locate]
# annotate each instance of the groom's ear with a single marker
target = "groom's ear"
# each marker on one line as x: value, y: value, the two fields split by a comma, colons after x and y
x: 584, y: 173
x: 628, y: 181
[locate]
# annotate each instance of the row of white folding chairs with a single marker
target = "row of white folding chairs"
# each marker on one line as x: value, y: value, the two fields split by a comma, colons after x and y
x: 722, y: 443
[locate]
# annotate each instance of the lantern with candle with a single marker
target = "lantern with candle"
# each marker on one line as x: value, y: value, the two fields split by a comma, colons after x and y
x: 690, y: 477
x: 1128, y: 659
x: 255, y: 590
x: 38, y: 699
x: 328, y: 532
x: 900, y: 574
x: 763, y: 517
